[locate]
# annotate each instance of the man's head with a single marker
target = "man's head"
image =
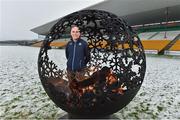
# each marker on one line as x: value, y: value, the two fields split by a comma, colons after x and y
x: 75, y: 32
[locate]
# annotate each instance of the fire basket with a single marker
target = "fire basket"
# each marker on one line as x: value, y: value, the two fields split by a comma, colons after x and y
x: 113, y: 75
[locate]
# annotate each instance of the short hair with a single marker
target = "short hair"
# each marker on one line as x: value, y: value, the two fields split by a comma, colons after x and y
x: 72, y: 26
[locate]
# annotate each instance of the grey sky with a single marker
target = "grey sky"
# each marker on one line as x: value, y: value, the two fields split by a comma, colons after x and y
x: 17, y: 17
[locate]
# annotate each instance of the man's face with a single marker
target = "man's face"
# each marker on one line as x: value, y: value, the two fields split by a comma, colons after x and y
x: 75, y: 33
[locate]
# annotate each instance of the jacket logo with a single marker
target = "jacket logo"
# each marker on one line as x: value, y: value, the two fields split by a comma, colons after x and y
x: 80, y: 43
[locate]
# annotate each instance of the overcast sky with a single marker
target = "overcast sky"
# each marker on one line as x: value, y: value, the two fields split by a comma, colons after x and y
x: 17, y: 17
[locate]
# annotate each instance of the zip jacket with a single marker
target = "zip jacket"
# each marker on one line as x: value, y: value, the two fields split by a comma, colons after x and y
x: 77, y: 54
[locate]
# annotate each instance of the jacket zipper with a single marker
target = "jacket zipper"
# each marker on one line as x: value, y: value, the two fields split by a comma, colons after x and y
x: 80, y: 62
x: 74, y: 52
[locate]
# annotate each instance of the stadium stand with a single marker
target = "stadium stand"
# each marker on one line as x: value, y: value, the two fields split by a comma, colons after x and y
x: 153, y: 42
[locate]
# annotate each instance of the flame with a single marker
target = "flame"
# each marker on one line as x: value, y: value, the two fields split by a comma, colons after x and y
x: 121, y: 89
x: 110, y: 79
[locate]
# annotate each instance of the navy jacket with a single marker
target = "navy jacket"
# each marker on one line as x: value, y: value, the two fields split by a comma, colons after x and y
x: 77, y: 54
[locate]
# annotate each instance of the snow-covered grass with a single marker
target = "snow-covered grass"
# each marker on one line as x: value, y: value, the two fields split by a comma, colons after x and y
x: 159, y: 95
x: 22, y: 95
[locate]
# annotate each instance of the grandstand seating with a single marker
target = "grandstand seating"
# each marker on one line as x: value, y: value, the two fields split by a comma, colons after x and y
x: 176, y: 46
x: 156, y: 42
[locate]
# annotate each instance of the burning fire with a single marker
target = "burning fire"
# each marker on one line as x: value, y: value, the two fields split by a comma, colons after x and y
x: 110, y: 79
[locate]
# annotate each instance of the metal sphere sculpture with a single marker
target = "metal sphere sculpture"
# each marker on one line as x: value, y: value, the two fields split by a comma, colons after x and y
x: 116, y: 68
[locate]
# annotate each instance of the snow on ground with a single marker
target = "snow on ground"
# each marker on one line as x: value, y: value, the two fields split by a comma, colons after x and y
x: 22, y: 95
x: 159, y: 95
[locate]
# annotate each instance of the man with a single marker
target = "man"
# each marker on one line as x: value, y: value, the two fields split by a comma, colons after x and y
x: 77, y: 55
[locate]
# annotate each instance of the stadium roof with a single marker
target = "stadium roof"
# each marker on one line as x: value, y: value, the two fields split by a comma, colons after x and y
x: 135, y: 12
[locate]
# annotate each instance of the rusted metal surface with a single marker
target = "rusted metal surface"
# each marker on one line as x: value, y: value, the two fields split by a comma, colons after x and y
x: 113, y: 75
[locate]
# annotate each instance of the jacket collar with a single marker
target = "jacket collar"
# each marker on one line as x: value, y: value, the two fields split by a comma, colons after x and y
x: 76, y: 41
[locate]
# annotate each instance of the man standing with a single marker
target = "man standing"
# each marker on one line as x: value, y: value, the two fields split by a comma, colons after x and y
x: 77, y: 54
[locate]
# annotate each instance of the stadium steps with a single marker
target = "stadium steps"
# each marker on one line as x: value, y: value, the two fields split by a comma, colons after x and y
x: 169, y: 45
x: 176, y: 46
x: 153, y: 35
